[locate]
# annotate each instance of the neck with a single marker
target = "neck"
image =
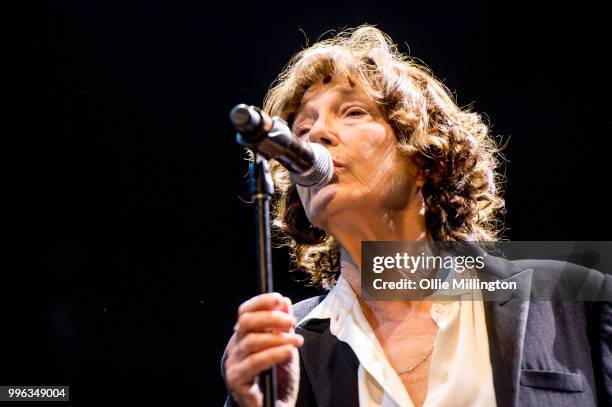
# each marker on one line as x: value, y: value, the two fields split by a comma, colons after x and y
x: 351, y: 228
x: 378, y: 312
x: 407, y: 225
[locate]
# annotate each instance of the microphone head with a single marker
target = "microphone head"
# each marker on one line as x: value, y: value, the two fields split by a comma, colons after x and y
x: 245, y: 118
x: 321, y: 172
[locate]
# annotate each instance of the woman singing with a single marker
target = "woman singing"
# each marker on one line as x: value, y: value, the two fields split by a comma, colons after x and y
x: 409, y: 165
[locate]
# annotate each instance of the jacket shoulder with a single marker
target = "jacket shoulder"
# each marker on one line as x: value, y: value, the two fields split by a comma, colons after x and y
x: 569, y: 281
x: 550, y: 265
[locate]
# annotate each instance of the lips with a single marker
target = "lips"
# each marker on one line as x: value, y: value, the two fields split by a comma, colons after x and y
x: 337, y: 164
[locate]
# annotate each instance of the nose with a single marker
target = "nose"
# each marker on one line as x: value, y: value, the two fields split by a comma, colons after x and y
x: 322, y: 132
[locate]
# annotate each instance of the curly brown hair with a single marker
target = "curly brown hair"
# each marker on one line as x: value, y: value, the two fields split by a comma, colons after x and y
x: 452, y: 144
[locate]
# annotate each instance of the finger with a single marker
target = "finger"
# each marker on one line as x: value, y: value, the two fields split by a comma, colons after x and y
x: 287, y: 305
x: 267, y: 301
x: 256, y: 363
x: 246, y: 394
x: 249, y: 394
x: 288, y: 308
x: 260, y: 321
x: 257, y: 342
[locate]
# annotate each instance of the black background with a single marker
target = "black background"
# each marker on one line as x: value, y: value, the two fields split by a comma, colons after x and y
x: 138, y: 246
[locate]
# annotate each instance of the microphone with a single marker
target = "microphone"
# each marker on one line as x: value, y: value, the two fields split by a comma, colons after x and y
x: 309, y: 164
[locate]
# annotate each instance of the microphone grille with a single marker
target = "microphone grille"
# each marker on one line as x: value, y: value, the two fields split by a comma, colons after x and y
x: 322, y: 169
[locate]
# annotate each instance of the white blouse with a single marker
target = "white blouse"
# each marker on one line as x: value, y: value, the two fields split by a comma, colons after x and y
x: 460, y: 371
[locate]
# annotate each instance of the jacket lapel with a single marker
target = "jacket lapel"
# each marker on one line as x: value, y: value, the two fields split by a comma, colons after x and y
x: 330, y: 365
x: 506, y: 321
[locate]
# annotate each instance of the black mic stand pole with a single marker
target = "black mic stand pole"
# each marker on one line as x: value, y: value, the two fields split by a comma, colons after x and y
x: 261, y: 189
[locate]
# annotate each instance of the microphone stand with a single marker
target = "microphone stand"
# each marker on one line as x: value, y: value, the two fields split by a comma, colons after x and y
x: 261, y: 188
x: 269, y: 137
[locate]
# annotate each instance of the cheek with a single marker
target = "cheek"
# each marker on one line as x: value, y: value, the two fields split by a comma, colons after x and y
x: 381, y: 176
x: 371, y: 150
x: 372, y: 145
x: 373, y: 161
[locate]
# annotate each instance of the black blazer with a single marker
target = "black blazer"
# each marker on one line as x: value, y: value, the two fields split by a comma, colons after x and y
x: 542, y: 353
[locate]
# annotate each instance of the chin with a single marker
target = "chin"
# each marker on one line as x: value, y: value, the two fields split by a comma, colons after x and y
x: 325, y: 203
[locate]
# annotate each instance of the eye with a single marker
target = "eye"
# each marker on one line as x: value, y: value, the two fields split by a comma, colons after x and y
x: 355, y: 112
x: 302, y: 132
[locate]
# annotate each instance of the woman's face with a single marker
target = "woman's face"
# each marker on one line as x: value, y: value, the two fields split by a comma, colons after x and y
x: 370, y: 175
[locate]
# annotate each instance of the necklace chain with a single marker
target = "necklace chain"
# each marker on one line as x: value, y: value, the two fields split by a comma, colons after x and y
x: 410, y: 369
